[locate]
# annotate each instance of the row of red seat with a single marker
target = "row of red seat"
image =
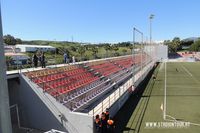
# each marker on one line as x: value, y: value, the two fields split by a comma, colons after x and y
x: 48, y: 78
x: 81, y: 76
x: 75, y: 71
x: 56, y: 76
x: 67, y: 89
x: 55, y: 84
x: 98, y: 66
x: 66, y: 80
x: 110, y: 71
x: 51, y: 71
x: 125, y: 63
x: 110, y: 68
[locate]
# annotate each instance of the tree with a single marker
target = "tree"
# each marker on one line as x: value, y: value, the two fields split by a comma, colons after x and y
x: 81, y: 51
x: 176, y: 42
x: 72, y: 48
x: 10, y: 40
x: 8, y: 60
x: 173, y: 45
x: 195, y: 46
x: 87, y: 46
x: 115, y: 48
x: 18, y: 41
x: 124, y: 44
x: 168, y: 43
x: 131, y: 48
x: 94, y: 50
x: 107, y: 48
x: 187, y: 43
x: 124, y: 51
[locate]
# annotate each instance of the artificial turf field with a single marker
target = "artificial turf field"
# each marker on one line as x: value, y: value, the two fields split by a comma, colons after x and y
x: 183, y: 102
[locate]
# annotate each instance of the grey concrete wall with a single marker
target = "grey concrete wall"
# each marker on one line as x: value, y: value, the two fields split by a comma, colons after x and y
x: 119, y: 103
x: 33, y: 112
x: 73, y: 122
x: 13, y: 87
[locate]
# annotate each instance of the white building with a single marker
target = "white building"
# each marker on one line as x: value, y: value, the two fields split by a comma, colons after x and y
x: 33, y: 48
x: 17, y: 58
x: 11, y: 49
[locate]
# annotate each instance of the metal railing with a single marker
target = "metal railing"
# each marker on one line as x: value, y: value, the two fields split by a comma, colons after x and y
x: 115, y: 96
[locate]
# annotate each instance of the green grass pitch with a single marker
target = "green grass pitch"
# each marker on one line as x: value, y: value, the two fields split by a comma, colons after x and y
x: 183, y: 102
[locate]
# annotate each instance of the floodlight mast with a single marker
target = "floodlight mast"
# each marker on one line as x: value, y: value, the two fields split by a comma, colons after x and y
x: 150, y: 20
x: 150, y: 30
x: 5, y: 121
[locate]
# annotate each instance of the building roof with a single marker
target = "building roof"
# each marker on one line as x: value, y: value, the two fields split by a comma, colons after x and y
x: 38, y: 46
x: 14, y: 54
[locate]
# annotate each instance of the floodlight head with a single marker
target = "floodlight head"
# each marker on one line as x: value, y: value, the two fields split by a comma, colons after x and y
x: 151, y: 16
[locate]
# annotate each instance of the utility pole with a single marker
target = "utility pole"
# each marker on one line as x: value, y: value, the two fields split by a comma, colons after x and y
x: 5, y: 121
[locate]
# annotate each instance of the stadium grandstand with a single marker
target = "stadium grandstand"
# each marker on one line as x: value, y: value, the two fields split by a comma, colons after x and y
x: 77, y: 85
x: 67, y: 97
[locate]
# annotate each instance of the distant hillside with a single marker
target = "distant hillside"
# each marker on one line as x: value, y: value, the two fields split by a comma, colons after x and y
x: 51, y: 43
x: 193, y: 39
x: 186, y: 43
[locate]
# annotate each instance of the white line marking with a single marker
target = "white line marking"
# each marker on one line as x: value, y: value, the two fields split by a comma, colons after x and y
x: 187, y: 71
x: 174, y: 120
x: 171, y: 117
x: 181, y: 86
x: 196, y: 80
x: 165, y: 114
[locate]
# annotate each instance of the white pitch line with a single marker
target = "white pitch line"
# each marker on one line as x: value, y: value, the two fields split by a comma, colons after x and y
x: 171, y: 117
x: 196, y: 80
x: 181, y: 86
x: 187, y: 71
x: 174, y: 120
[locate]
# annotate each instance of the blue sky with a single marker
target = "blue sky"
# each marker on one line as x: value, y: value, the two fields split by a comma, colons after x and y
x: 99, y: 20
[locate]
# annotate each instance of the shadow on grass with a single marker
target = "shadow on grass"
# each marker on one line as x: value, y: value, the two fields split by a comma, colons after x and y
x: 145, y: 96
x: 179, y: 119
x: 128, y: 129
x: 124, y: 114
